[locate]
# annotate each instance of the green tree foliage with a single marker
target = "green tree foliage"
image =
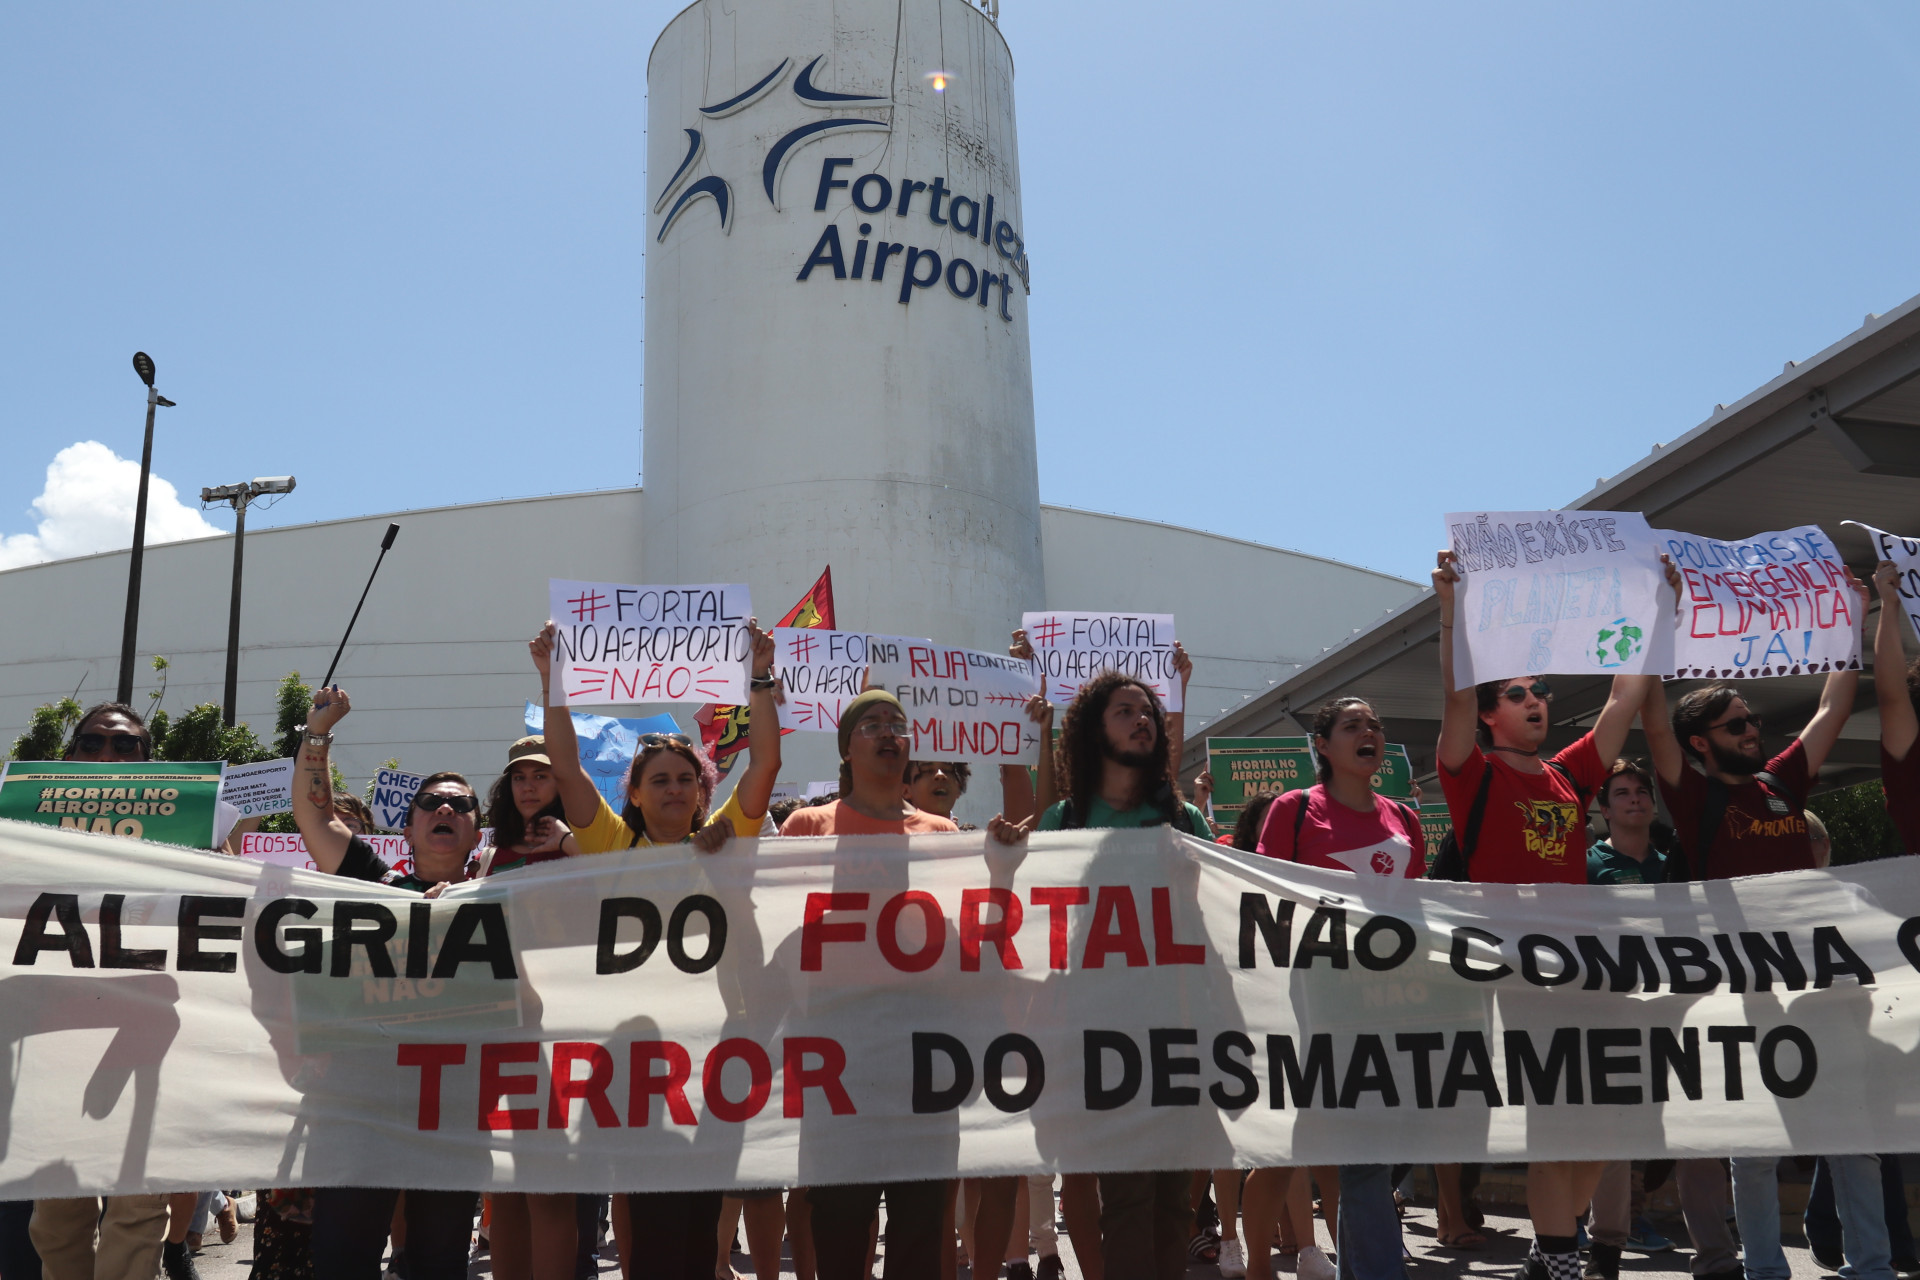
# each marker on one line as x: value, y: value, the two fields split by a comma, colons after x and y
x: 201, y: 733
x: 46, y: 734
x: 295, y: 700
x: 1856, y: 818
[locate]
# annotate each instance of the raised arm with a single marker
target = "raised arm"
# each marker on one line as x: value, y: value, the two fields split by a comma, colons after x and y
x: 755, y: 788
x: 1662, y: 745
x: 578, y: 796
x: 1459, y: 714
x: 1177, y: 720
x: 1836, y: 699
x: 1629, y: 693
x: 1898, y: 724
x: 326, y: 835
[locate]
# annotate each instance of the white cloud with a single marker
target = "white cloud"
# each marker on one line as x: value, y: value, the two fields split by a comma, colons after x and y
x: 87, y: 506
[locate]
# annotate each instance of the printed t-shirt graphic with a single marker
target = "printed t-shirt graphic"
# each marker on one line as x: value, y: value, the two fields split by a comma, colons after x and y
x: 1761, y: 831
x: 842, y: 819
x: 1102, y: 814
x: 1386, y: 842
x: 1901, y: 781
x: 1535, y: 827
x: 609, y: 831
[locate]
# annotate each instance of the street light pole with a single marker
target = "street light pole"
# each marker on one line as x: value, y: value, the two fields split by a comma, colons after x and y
x: 233, y: 606
x: 142, y: 365
x: 239, y: 497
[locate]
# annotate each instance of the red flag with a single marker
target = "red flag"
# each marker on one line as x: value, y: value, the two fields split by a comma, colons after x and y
x: 723, y: 729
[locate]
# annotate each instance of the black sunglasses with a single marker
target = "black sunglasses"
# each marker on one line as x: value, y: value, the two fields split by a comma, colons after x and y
x: 1738, y: 725
x: 1518, y: 693
x: 432, y: 803
x: 665, y: 739
x: 124, y: 744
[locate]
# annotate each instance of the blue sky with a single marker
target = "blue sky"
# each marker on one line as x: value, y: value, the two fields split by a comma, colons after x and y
x: 1304, y: 274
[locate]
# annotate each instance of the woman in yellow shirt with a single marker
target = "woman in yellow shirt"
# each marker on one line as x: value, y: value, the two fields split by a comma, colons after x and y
x: 669, y: 792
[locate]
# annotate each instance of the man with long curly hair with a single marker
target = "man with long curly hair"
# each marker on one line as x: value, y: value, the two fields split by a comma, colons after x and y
x: 1116, y: 769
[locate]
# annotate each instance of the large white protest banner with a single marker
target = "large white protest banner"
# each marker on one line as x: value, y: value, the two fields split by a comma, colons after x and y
x: 1775, y: 604
x: 804, y: 1012
x: 1905, y: 554
x: 621, y: 644
x: 285, y: 849
x: 1073, y: 648
x: 393, y: 793
x: 964, y: 704
x: 258, y: 790
x: 1566, y: 592
x: 821, y: 671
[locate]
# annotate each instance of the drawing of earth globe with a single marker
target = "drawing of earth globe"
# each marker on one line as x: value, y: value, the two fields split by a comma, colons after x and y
x: 1618, y: 643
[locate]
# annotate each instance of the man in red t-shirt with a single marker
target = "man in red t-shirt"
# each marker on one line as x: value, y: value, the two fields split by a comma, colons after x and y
x: 1899, y: 723
x: 1761, y: 826
x: 1532, y: 828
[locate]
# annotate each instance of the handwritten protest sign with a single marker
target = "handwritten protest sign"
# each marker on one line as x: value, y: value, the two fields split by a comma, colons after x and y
x: 964, y: 704
x: 620, y: 644
x: 1073, y: 648
x: 393, y: 793
x: 257, y: 790
x: 1905, y: 553
x: 170, y: 802
x: 1775, y: 604
x: 285, y: 849
x: 1572, y: 592
x: 1244, y: 767
x: 822, y: 671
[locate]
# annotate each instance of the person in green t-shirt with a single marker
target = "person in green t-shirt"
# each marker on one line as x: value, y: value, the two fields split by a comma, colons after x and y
x: 1116, y: 769
x: 1631, y: 852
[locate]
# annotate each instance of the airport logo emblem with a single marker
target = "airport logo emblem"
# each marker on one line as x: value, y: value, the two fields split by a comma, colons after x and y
x: 683, y: 189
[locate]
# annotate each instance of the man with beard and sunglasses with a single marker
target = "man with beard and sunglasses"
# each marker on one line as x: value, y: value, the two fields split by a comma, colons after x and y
x: 1742, y: 813
x: 1520, y: 818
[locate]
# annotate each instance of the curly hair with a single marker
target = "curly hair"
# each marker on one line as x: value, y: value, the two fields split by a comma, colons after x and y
x: 1083, y: 742
x: 108, y: 708
x: 1252, y: 820
x: 703, y: 769
x: 1697, y: 710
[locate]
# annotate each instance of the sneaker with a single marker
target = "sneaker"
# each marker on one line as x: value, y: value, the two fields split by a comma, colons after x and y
x: 176, y: 1263
x: 1829, y: 1261
x: 1051, y: 1268
x: 1233, y: 1260
x: 1906, y: 1266
x: 1645, y: 1239
x: 229, y: 1221
x: 247, y: 1206
x: 1314, y: 1265
x: 1534, y: 1268
x: 1019, y: 1270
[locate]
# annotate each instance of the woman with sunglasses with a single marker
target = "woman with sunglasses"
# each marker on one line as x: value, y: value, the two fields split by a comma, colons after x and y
x: 669, y: 792
x: 1519, y: 818
x: 443, y: 827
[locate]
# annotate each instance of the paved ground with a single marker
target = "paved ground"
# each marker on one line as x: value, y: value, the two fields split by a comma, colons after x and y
x: 1507, y: 1246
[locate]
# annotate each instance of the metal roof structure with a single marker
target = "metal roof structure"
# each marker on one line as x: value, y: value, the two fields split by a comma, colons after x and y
x: 1834, y: 437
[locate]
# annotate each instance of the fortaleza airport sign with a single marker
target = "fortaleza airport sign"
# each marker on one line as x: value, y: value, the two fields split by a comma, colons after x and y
x: 952, y: 215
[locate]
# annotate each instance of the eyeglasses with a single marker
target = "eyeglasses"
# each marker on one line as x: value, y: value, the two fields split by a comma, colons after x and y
x: 1518, y: 693
x: 665, y: 739
x: 431, y: 802
x: 1738, y: 725
x: 124, y: 744
x: 882, y: 729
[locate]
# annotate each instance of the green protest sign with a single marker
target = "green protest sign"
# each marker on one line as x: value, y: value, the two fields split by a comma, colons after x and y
x: 1435, y: 823
x: 166, y: 801
x: 1395, y: 778
x: 1245, y: 767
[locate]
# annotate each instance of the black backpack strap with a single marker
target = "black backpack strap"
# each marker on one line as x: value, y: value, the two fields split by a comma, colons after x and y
x: 1712, y: 814
x: 1773, y: 782
x: 1300, y: 820
x: 1070, y: 820
x: 1471, y: 836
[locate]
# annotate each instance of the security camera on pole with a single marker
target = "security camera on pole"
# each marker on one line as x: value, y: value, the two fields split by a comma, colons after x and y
x: 142, y: 365
x: 239, y: 497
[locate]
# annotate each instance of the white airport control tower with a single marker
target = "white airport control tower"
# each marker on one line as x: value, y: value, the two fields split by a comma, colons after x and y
x: 837, y: 369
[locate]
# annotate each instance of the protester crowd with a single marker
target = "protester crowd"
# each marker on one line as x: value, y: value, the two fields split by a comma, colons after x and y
x: 1520, y: 816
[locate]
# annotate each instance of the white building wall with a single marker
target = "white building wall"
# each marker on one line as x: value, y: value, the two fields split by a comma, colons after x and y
x: 438, y: 667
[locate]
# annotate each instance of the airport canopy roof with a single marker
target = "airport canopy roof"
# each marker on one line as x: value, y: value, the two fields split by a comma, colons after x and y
x: 1835, y: 437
